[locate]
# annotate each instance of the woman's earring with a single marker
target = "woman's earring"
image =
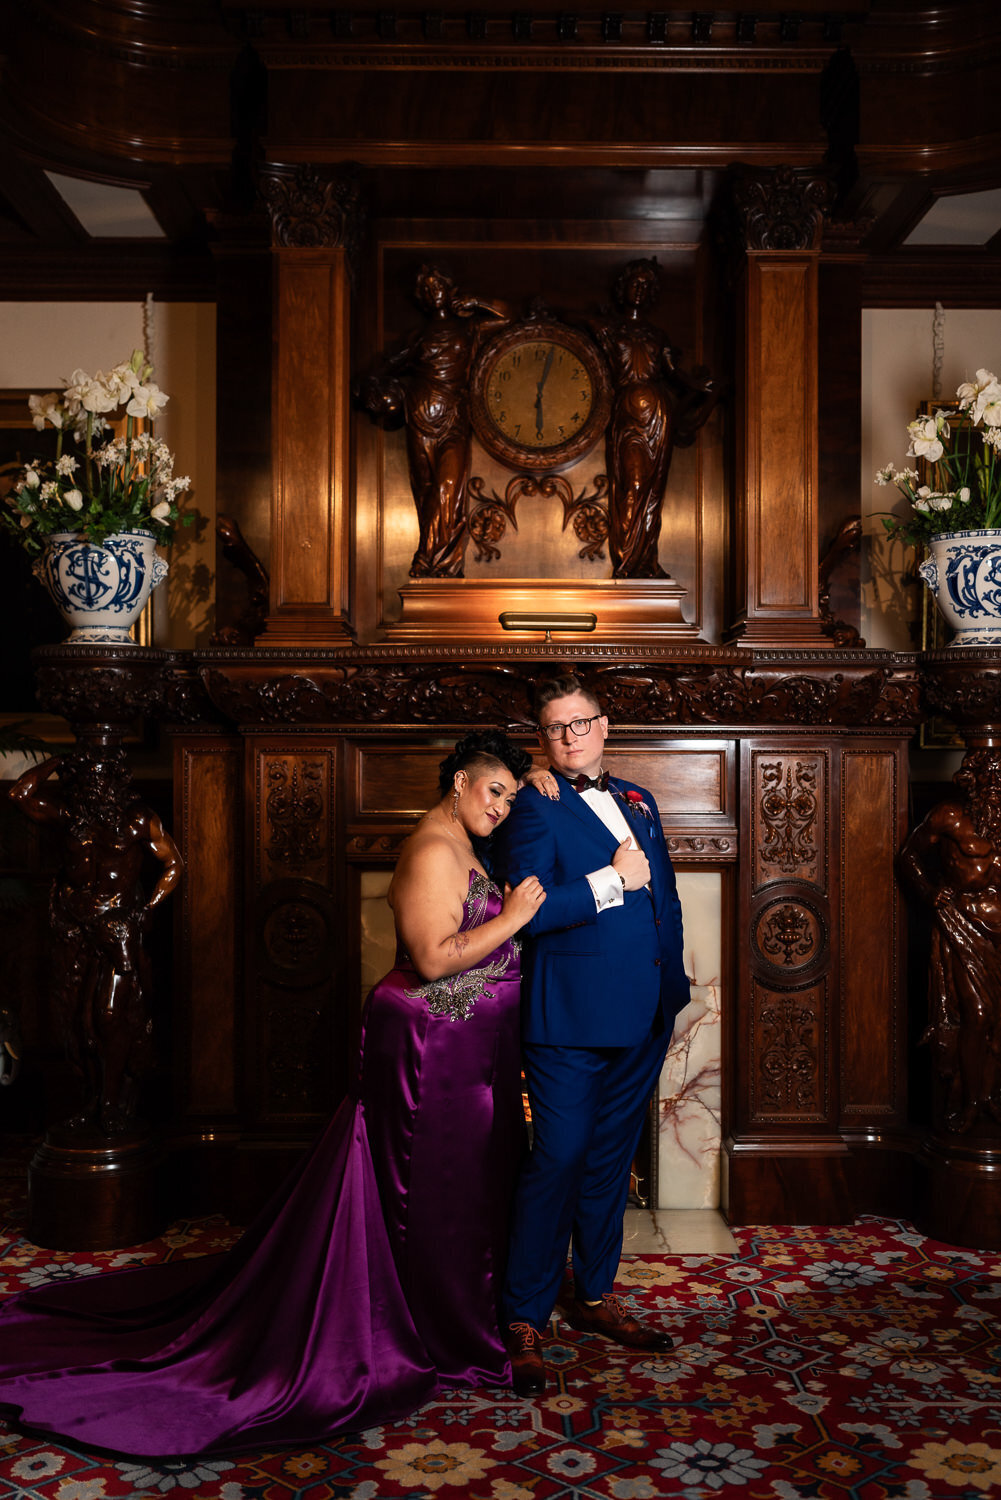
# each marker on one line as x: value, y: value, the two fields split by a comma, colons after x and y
x: 455, y: 805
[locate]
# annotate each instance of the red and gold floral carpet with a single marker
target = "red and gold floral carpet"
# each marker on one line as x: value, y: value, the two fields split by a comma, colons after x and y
x: 853, y: 1363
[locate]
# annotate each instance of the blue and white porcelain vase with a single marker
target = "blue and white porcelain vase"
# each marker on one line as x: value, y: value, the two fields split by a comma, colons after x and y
x: 100, y: 590
x: 963, y: 571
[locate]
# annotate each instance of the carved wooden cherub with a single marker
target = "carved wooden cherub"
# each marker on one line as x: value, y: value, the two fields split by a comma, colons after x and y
x: 655, y: 407
x: 425, y: 383
x: 98, y: 910
x: 952, y: 862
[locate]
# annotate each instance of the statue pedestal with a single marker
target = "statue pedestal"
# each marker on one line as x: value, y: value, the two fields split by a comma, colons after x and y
x: 958, y: 1194
x: 628, y: 611
x: 88, y: 1191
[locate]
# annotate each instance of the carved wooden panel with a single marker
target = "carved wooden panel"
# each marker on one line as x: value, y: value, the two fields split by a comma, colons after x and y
x: 208, y: 825
x: 298, y: 1023
x: 872, y: 828
x: 694, y: 785
x: 790, y: 1066
x: 293, y: 830
x: 777, y: 515
x: 789, y: 816
x: 309, y: 532
x: 389, y: 779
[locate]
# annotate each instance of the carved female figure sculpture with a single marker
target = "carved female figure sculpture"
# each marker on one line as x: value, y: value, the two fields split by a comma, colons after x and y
x: 655, y: 406
x: 98, y: 909
x: 426, y: 383
x: 952, y: 862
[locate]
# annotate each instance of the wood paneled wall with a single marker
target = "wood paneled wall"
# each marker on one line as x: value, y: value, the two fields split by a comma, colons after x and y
x: 813, y: 980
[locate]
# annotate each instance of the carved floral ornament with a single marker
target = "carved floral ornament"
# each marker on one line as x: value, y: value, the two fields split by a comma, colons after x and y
x: 310, y: 211
x: 586, y: 512
x: 446, y: 692
x: 788, y: 1061
x: 295, y: 809
x: 782, y: 208
x: 789, y: 934
x: 789, y: 810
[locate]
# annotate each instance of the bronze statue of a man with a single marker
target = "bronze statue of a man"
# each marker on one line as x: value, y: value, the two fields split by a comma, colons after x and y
x: 98, y: 911
x: 952, y: 863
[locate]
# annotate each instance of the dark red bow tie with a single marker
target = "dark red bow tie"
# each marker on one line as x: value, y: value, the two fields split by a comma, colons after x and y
x: 597, y: 783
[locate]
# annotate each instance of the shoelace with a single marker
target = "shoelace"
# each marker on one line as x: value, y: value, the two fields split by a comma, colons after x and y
x: 527, y: 1335
x: 613, y: 1303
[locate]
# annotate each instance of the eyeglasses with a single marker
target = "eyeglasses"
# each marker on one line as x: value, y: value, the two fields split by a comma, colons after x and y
x: 576, y: 726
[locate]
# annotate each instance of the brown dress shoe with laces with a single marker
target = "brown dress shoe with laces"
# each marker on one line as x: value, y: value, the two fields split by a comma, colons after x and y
x: 524, y: 1347
x: 610, y: 1319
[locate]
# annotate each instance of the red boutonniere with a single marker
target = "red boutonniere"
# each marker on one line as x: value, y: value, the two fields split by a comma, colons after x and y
x: 635, y: 801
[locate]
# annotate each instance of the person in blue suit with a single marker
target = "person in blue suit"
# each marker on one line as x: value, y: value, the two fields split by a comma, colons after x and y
x: 602, y: 981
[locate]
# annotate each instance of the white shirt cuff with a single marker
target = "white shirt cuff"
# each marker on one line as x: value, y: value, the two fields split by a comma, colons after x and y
x: 606, y: 887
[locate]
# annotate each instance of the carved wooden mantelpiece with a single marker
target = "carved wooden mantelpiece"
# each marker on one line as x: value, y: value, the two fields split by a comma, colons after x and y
x: 299, y: 770
x: 642, y: 687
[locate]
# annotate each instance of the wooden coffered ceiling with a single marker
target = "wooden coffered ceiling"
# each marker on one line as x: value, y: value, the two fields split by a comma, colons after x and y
x: 133, y: 129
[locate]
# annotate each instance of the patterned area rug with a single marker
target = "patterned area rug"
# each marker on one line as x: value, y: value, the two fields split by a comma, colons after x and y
x: 853, y: 1363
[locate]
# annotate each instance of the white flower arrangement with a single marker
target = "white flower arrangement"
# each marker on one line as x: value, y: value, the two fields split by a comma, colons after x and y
x: 962, y: 443
x: 107, y: 485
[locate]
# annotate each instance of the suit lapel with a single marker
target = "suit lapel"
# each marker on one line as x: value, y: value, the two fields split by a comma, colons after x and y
x: 636, y: 822
x: 574, y: 802
x: 639, y: 825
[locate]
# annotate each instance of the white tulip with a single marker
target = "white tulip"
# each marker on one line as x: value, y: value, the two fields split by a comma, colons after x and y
x: 31, y: 479
x: 74, y: 499
x: 161, y: 512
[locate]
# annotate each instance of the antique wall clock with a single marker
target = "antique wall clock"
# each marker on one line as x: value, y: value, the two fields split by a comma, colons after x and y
x: 539, y: 395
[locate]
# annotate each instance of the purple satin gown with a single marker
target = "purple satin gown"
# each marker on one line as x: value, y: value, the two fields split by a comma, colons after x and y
x: 370, y: 1281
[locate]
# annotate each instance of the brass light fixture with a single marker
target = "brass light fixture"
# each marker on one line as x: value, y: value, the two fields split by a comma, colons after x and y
x: 512, y: 620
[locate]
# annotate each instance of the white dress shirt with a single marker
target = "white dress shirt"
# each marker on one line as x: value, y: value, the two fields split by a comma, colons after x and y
x: 605, y: 884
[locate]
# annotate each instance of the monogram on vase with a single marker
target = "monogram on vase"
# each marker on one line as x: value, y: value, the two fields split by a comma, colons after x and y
x: 963, y: 571
x: 100, y: 590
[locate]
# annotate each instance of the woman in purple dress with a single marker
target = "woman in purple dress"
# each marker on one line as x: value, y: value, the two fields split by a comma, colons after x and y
x: 371, y: 1280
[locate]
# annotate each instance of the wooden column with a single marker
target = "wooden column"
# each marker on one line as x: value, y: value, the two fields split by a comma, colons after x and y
x: 776, y: 588
x: 315, y: 224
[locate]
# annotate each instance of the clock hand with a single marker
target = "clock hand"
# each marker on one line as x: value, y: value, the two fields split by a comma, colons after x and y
x: 538, y: 391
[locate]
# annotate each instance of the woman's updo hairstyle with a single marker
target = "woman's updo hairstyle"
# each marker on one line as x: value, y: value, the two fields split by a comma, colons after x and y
x: 479, y: 751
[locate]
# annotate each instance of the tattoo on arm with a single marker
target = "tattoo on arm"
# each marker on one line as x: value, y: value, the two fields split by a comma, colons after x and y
x: 457, y: 944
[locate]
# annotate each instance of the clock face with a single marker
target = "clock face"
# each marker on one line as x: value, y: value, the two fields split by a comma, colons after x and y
x: 539, y: 395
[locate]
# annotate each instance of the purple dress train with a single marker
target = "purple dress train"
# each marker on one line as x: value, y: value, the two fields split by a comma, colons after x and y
x: 368, y: 1282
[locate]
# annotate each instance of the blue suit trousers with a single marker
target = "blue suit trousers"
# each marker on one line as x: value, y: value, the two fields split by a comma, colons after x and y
x: 589, y: 1105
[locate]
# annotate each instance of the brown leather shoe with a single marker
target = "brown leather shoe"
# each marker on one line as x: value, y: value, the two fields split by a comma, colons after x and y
x: 524, y: 1346
x: 610, y: 1319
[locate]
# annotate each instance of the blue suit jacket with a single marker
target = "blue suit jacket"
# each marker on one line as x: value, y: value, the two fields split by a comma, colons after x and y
x: 589, y: 978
